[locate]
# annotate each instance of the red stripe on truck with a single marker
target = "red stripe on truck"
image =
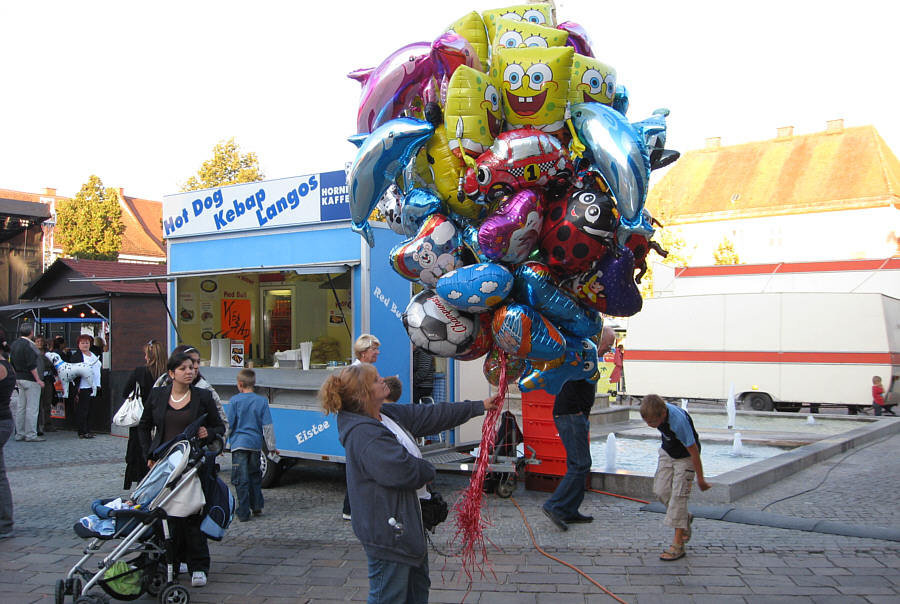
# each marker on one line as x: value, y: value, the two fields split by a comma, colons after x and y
x: 737, y: 356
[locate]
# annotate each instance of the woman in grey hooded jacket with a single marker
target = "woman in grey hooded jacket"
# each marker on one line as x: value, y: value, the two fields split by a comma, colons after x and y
x: 386, y: 475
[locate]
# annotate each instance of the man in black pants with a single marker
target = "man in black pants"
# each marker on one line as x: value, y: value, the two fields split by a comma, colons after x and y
x: 571, y: 414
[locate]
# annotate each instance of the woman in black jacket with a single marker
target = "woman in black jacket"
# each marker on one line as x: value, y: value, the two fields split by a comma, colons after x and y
x: 143, y: 377
x: 169, y: 410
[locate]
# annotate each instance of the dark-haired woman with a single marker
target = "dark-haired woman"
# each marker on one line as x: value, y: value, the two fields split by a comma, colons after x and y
x: 386, y: 475
x: 169, y: 410
x: 143, y: 377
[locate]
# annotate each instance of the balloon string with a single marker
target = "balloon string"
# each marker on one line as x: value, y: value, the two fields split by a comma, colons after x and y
x: 469, y: 519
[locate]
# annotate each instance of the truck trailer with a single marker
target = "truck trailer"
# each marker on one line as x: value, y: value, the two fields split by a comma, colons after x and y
x: 778, y: 351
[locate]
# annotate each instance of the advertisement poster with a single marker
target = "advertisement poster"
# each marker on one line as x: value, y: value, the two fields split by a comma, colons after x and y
x: 236, y: 315
x: 237, y: 353
x: 187, y: 307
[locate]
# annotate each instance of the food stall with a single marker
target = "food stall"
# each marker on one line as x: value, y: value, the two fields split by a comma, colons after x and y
x: 269, y: 265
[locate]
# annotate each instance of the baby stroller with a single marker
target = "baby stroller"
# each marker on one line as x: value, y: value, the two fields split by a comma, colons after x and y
x: 142, y: 559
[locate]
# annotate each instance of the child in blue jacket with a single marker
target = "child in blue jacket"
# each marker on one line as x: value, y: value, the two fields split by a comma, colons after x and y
x: 249, y: 430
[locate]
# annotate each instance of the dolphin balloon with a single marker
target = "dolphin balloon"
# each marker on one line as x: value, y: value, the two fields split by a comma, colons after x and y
x: 381, y: 157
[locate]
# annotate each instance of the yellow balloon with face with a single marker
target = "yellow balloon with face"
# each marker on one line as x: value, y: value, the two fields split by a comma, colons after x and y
x: 592, y: 81
x: 537, y: 14
x: 471, y: 27
x: 534, y: 85
x: 473, y: 110
x: 522, y: 34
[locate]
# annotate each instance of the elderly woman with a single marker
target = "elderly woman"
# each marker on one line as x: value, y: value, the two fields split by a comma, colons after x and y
x: 366, y: 349
x: 386, y: 475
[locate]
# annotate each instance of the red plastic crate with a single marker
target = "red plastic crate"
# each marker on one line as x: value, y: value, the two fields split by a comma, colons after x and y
x: 541, y: 482
x: 537, y: 396
x: 550, y: 466
x: 537, y: 411
x: 539, y: 428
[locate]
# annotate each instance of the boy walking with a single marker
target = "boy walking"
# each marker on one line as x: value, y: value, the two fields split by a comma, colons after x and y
x: 250, y: 429
x: 679, y: 462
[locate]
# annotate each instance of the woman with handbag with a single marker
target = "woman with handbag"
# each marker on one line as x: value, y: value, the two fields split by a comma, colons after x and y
x: 386, y: 475
x: 142, y: 378
x: 168, y: 412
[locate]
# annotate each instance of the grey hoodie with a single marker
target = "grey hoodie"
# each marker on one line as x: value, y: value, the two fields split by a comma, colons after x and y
x: 382, y: 476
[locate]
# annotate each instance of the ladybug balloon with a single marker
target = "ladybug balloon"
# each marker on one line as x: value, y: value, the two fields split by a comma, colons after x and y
x: 579, y: 230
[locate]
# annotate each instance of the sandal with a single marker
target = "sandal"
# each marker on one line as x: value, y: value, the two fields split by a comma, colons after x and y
x: 686, y: 535
x: 673, y: 553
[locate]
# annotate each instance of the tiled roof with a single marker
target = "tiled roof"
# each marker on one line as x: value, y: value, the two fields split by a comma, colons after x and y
x: 142, y: 219
x: 104, y: 269
x: 839, y: 169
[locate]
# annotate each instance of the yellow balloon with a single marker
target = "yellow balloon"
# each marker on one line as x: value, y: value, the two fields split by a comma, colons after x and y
x: 471, y: 27
x: 473, y: 111
x: 534, y: 85
x: 540, y: 14
x: 592, y: 81
x: 522, y: 34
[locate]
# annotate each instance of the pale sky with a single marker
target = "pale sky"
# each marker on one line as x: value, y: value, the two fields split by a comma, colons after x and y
x: 139, y: 93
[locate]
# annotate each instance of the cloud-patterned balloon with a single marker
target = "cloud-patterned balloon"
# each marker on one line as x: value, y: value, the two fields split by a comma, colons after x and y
x: 534, y: 286
x: 521, y: 331
x: 609, y: 286
x: 477, y: 287
x: 511, y: 232
x: 437, y: 249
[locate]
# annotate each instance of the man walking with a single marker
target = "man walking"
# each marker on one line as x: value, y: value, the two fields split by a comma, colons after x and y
x: 571, y: 414
x: 29, y: 365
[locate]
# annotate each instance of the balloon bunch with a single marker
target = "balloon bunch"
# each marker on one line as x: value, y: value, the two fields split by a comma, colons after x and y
x: 502, y: 152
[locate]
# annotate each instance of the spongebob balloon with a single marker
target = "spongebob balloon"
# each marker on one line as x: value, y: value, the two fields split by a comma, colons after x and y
x: 471, y: 27
x: 523, y: 34
x: 473, y: 100
x: 592, y: 81
x: 534, y: 85
x: 538, y: 14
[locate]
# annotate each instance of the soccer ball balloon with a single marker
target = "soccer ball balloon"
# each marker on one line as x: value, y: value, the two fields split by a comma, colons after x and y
x: 437, y: 327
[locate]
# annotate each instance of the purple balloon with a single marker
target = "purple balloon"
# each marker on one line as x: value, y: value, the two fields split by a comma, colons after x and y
x: 609, y: 285
x: 578, y: 38
x: 511, y: 233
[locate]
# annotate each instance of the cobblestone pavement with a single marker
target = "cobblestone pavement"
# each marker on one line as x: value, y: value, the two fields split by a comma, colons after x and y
x: 301, y: 551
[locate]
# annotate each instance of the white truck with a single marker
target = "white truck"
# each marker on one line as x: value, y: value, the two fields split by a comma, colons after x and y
x: 778, y: 350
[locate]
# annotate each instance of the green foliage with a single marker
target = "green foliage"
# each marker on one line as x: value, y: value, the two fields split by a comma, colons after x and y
x: 227, y: 167
x: 90, y: 226
x: 725, y: 253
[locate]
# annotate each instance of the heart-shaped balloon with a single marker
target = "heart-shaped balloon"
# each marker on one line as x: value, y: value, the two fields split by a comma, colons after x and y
x: 578, y: 230
x: 609, y: 286
x: 437, y: 249
x: 418, y: 205
x: 535, y: 287
x: 510, y: 233
x: 477, y: 287
x: 579, y: 363
x: 522, y: 332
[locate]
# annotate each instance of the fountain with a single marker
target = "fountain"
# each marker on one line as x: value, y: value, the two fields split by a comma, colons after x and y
x: 729, y: 406
x: 738, y: 447
x: 810, y: 420
x: 611, y: 452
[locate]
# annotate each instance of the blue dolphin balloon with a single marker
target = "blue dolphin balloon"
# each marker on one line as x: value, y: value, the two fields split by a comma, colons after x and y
x: 381, y: 157
x: 534, y: 286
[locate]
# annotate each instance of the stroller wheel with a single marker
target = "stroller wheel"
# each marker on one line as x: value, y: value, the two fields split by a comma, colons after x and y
x: 156, y: 583
x: 92, y: 599
x: 174, y: 594
x: 60, y: 592
x: 73, y: 587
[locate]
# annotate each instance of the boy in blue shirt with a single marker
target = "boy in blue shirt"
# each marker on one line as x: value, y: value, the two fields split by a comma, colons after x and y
x: 250, y: 429
x: 679, y: 461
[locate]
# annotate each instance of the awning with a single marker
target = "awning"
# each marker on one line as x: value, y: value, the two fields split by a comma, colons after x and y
x: 52, y: 304
x: 300, y: 269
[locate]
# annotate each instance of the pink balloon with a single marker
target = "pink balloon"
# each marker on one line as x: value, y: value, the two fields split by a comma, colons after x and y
x: 511, y: 232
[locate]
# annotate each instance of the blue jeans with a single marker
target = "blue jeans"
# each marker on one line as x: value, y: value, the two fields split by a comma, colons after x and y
x: 398, y: 583
x: 574, y: 433
x: 246, y: 477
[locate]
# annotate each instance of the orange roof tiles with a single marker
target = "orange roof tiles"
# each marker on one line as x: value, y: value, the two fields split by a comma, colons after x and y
x: 839, y: 169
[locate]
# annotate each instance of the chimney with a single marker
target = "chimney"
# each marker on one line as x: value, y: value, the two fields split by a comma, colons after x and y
x: 834, y: 125
x: 121, y: 192
x: 785, y: 132
x: 48, y: 191
x: 714, y: 142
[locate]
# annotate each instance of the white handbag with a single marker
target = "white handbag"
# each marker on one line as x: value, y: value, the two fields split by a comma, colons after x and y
x: 129, y: 414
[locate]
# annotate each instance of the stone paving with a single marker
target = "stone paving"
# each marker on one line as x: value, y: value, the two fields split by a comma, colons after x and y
x: 301, y: 551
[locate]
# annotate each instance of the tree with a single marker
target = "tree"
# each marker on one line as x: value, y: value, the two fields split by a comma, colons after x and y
x: 725, y: 253
x: 227, y: 167
x: 90, y: 226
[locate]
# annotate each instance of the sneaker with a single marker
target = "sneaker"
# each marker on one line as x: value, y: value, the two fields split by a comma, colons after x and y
x: 256, y: 512
x: 198, y: 579
x: 19, y: 438
x: 244, y: 519
x: 346, y: 516
x: 182, y: 569
x: 580, y: 519
x: 36, y: 439
x: 555, y: 519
